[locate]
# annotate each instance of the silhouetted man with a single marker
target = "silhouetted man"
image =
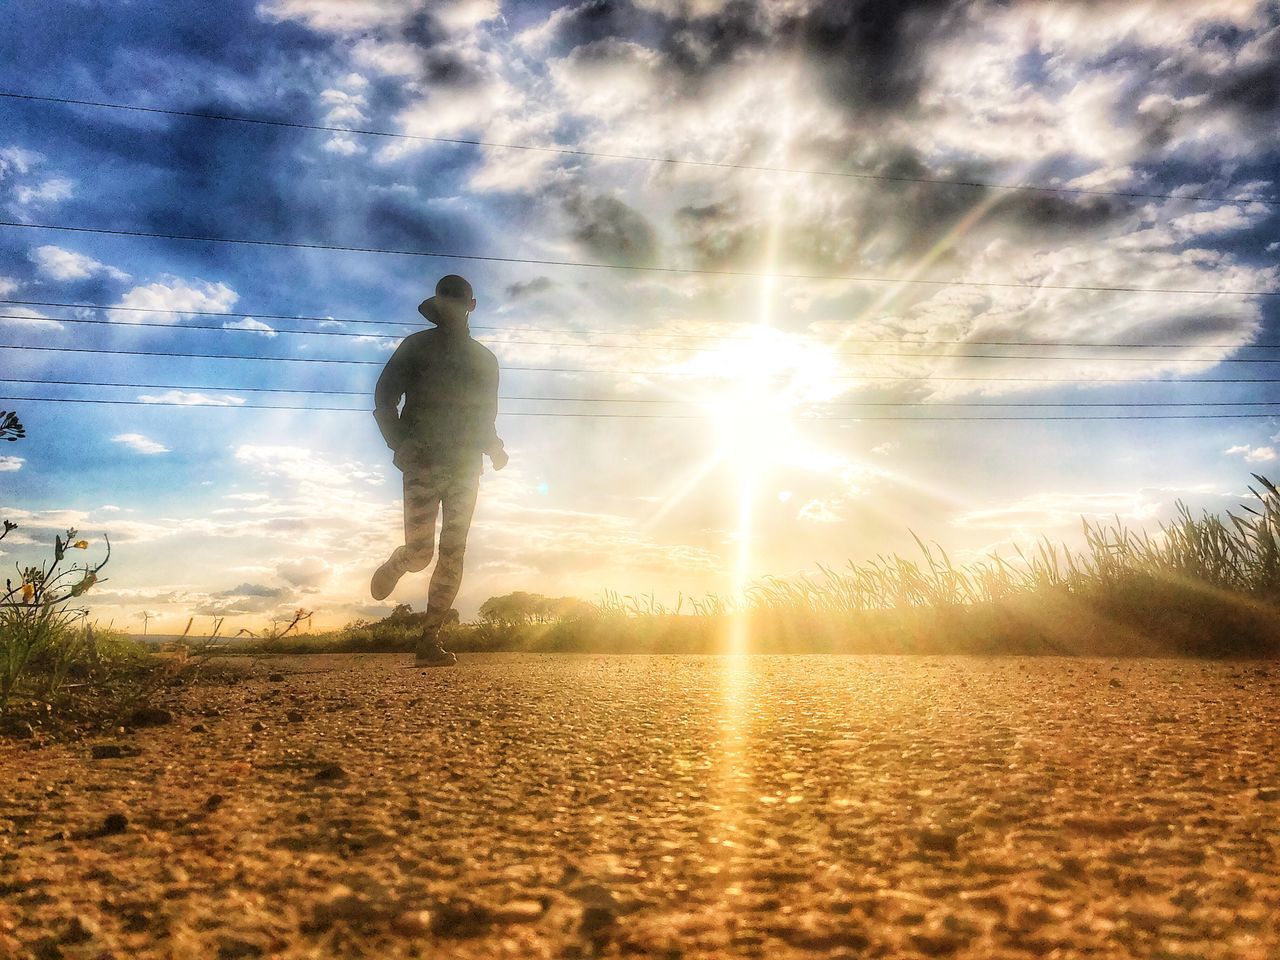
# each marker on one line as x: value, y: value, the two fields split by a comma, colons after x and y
x: 450, y: 387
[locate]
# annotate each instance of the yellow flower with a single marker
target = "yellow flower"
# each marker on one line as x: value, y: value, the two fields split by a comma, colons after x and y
x: 81, y: 545
x: 28, y: 591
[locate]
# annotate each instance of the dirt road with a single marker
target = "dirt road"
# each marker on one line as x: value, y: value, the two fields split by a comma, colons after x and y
x: 559, y: 806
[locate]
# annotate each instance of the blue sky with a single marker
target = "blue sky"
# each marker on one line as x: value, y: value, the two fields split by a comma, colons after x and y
x: 250, y: 513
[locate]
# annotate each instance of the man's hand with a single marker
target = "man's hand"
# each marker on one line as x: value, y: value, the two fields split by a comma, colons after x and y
x: 499, y: 459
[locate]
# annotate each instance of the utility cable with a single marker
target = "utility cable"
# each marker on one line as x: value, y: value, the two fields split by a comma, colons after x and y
x: 636, y: 268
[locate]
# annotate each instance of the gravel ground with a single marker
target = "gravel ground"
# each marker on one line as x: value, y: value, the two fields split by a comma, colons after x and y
x: 578, y: 806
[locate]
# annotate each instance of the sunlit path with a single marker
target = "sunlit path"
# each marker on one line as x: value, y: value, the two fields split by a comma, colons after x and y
x: 704, y: 807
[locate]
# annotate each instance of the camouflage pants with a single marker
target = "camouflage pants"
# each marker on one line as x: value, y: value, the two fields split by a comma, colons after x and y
x: 428, y: 492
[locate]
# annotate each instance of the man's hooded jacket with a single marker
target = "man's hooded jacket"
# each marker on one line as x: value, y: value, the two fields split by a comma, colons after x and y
x: 450, y: 387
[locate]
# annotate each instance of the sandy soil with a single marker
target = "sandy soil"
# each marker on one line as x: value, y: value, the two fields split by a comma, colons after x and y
x: 527, y: 806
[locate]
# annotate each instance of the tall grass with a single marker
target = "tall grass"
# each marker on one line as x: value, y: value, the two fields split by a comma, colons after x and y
x: 1202, y: 585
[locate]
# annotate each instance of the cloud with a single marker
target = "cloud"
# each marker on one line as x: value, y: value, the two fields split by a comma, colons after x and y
x: 140, y: 444
x: 305, y: 571
x: 528, y: 288
x: 50, y: 191
x: 249, y: 323
x: 1253, y: 454
x: 175, y: 298
x: 11, y: 464
x: 192, y: 398
x: 16, y: 160
x: 7, y: 286
x: 609, y: 228
x: 27, y: 317
x: 62, y: 264
x: 255, y: 590
x: 338, y: 16
x: 344, y: 145
x: 1042, y: 510
x: 818, y: 511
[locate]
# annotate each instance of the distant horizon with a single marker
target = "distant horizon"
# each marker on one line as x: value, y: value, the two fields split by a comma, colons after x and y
x: 762, y: 281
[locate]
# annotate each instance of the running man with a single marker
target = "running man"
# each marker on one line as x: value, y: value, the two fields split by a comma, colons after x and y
x: 449, y: 383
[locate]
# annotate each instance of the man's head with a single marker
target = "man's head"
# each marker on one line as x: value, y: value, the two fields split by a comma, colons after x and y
x: 454, y: 299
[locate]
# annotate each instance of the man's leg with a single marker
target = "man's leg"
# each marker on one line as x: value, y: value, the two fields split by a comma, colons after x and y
x: 422, y: 496
x: 458, y: 496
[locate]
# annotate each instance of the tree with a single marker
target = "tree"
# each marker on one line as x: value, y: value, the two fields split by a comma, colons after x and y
x: 520, y: 607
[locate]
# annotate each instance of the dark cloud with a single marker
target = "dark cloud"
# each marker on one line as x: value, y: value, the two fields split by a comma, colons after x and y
x: 391, y: 222
x: 717, y: 233
x: 522, y: 289
x: 598, y: 20
x: 256, y: 590
x: 609, y: 228
x: 695, y: 47
x: 443, y: 68
x: 1060, y: 212
x: 870, y: 53
x: 1252, y: 89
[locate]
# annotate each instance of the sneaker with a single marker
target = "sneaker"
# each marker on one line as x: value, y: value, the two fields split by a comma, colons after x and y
x: 434, y: 655
x: 385, y: 579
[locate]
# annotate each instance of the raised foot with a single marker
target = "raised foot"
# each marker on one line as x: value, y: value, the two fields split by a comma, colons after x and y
x: 384, y: 580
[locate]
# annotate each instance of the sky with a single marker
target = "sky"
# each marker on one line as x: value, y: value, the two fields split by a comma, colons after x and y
x: 788, y: 227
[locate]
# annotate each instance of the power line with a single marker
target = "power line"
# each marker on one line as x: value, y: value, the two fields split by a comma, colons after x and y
x: 630, y: 346
x: 641, y: 373
x: 637, y: 268
x: 601, y: 333
x: 674, y: 161
x: 655, y: 416
x: 627, y: 346
x: 193, y: 387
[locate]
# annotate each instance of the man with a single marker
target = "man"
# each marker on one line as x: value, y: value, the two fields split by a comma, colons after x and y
x: 449, y: 383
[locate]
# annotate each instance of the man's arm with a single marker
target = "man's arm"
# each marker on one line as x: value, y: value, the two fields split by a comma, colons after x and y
x: 493, y: 444
x: 386, y: 396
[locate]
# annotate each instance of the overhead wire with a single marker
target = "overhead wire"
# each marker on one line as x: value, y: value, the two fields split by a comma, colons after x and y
x: 225, y: 388
x: 271, y: 331
x: 569, y: 331
x: 659, y: 416
x: 635, y: 267
x: 624, y: 346
x: 637, y: 373
x: 605, y: 155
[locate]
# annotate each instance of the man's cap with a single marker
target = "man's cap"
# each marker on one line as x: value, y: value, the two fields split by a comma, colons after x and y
x: 454, y: 287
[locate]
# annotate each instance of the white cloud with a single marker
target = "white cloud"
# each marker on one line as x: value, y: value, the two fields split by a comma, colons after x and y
x: 1253, y: 454
x: 344, y: 144
x: 461, y: 15
x: 50, y: 191
x: 338, y: 16
x: 343, y: 107
x: 62, y: 264
x: 389, y: 58
x: 25, y: 316
x: 7, y: 286
x: 818, y: 511
x: 188, y: 398
x: 16, y: 160
x: 11, y: 464
x: 249, y: 323
x: 178, y: 297
x: 1042, y: 510
x: 139, y: 443
x: 305, y: 571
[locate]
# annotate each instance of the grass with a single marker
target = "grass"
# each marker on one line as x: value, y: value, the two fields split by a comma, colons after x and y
x: 1203, y: 585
